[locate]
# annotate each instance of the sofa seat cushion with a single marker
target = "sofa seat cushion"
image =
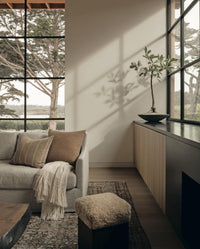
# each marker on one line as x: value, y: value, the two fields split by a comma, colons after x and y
x: 21, y: 177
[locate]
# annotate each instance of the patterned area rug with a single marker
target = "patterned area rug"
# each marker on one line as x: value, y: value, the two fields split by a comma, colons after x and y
x: 64, y: 234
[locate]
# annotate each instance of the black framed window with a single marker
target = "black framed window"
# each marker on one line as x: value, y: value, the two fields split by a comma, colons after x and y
x: 32, y: 65
x: 183, y: 43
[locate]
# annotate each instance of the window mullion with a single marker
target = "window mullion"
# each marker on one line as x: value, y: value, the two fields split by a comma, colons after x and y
x: 25, y: 61
x: 182, y: 60
x: 168, y: 53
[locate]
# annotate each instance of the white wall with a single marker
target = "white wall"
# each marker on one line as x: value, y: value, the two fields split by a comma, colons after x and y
x: 102, y: 38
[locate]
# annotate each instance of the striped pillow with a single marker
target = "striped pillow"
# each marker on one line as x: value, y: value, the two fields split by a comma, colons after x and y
x: 32, y: 152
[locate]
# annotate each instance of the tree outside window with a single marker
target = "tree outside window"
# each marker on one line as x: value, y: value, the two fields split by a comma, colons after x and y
x: 32, y: 65
x: 184, y: 44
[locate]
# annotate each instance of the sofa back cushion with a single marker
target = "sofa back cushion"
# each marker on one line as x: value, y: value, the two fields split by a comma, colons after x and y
x: 7, y: 144
x: 32, y: 152
x: 66, y: 146
x: 8, y: 141
x: 36, y: 134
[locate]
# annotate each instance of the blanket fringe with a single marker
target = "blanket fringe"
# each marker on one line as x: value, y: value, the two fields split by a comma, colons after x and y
x: 50, y: 184
x: 51, y: 212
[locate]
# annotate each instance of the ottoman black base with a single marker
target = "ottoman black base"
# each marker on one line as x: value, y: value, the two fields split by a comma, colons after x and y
x: 115, y: 237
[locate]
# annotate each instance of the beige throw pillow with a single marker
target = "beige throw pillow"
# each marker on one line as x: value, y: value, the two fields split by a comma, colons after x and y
x: 32, y: 152
x: 65, y: 146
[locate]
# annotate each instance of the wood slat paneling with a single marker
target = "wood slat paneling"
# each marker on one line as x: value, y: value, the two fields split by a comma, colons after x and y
x: 150, y: 160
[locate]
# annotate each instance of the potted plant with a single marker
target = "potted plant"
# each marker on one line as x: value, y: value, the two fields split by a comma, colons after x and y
x: 156, y: 64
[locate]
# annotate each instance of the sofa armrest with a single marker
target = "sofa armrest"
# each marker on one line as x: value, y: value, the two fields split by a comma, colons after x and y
x: 82, y: 167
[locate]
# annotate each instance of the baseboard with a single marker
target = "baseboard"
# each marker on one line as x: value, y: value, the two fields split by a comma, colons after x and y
x: 111, y: 164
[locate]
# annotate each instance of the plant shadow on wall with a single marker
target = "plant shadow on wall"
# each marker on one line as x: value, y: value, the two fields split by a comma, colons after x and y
x: 115, y: 95
x: 116, y: 91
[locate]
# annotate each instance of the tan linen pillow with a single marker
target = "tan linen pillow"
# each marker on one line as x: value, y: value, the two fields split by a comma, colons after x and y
x: 65, y: 146
x: 32, y: 152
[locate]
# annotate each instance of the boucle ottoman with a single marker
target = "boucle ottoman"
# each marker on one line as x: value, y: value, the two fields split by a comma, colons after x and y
x: 103, y: 221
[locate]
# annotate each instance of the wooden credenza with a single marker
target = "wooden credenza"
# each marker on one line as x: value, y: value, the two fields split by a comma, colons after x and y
x: 167, y: 156
x: 150, y: 160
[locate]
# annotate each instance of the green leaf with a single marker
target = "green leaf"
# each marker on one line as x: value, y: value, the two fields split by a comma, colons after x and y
x: 156, y: 64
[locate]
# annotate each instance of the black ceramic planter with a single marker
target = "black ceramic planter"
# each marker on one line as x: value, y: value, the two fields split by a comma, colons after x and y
x: 153, y: 117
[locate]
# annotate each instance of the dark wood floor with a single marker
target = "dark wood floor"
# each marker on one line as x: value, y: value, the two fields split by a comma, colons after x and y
x: 154, y: 222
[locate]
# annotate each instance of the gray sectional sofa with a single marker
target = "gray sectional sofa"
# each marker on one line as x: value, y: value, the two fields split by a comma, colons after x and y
x: 16, y: 180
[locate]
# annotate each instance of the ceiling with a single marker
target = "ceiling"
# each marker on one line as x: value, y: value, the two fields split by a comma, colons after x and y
x: 32, y: 4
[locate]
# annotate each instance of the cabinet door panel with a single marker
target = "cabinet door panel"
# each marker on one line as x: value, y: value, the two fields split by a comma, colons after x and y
x: 150, y: 160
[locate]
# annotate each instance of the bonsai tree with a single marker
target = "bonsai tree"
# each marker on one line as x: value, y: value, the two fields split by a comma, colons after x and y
x: 156, y: 64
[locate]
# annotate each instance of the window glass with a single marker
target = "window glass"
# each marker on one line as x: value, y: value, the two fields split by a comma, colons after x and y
x: 11, y: 23
x: 50, y: 94
x: 45, y: 124
x: 45, y: 23
x: 11, y: 58
x: 30, y: 56
x: 11, y: 99
x: 12, y: 125
x: 187, y: 3
x: 175, y: 45
x: 45, y: 57
x: 192, y: 92
x: 175, y: 104
x: 186, y: 80
x: 192, y: 34
x: 175, y: 10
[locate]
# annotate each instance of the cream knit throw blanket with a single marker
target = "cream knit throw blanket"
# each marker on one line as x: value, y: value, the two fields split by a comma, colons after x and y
x: 50, y: 184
